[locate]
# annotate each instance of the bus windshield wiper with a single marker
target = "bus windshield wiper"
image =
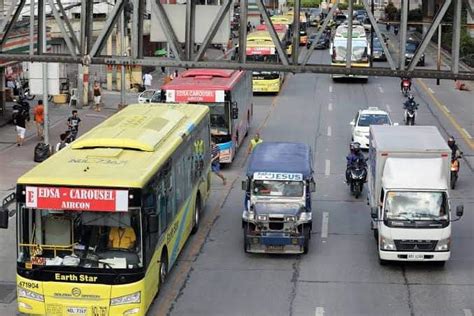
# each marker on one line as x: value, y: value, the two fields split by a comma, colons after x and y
x: 106, y: 264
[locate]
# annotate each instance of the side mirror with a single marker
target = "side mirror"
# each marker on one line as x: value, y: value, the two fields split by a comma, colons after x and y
x: 152, y: 223
x: 374, y: 212
x: 459, y: 210
x: 235, y: 113
x: 352, y: 123
x: 245, y: 184
x: 4, y: 216
x: 312, y: 186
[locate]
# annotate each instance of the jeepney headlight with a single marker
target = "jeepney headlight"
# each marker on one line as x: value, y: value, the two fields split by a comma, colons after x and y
x: 126, y: 299
x: 290, y: 218
x: 443, y: 244
x: 306, y: 216
x: 387, y: 244
x: 262, y: 217
x: 248, y: 215
x: 29, y: 294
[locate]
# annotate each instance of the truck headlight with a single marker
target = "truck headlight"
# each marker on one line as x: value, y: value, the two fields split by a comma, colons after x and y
x: 306, y: 216
x: 29, y: 294
x: 387, y: 244
x: 443, y: 245
x: 126, y: 299
x: 262, y: 217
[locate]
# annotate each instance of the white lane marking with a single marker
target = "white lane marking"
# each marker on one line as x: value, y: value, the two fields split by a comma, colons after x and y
x: 467, y: 312
x: 327, y: 169
x: 330, y: 107
x: 330, y: 88
x: 467, y: 133
x: 388, y: 107
x: 431, y: 90
x: 319, y: 311
x: 329, y: 131
x: 381, y: 89
x: 446, y: 109
x: 324, y: 225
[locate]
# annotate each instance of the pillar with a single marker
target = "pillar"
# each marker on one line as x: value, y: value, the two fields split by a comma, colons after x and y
x: 109, y: 67
x: 470, y: 18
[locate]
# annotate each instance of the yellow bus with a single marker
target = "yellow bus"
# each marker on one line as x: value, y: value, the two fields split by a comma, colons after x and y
x: 285, y: 21
x: 260, y: 48
x: 360, y: 49
x: 100, y: 223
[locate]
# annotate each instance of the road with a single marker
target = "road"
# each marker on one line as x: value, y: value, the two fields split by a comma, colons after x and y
x: 340, y: 275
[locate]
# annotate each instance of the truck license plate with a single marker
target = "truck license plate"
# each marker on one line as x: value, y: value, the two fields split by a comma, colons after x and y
x: 414, y: 256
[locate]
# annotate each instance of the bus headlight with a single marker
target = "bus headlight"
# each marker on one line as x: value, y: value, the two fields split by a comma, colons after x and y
x: 387, y: 244
x: 306, y: 216
x: 29, y: 294
x: 132, y: 311
x: 443, y: 244
x: 126, y: 299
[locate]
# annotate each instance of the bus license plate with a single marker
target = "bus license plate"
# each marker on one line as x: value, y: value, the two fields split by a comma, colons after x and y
x: 415, y: 256
x: 76, y: 310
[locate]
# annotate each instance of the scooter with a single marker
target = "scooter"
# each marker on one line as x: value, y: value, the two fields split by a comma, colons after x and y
x: 410, y: 114
x: 454, y: 170
x: 405, y: 87
x: 357, y: 177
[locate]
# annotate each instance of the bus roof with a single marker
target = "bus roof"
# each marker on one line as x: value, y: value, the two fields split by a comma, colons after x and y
x: 209, y: 79
x: 278, y: 27
x: 282, y: 19
x: 124, y: 151
x: 281, y: 157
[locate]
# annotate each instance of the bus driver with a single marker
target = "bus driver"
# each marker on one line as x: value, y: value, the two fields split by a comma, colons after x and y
x: 122, y: 238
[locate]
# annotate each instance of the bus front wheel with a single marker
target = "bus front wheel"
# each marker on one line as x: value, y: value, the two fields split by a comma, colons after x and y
x: 197, y: 215
x: 163, y: 268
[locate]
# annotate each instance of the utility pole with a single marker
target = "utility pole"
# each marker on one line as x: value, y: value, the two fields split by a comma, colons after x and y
x: 123, y: 53
x: 2, y: 72
x: 438, y: 59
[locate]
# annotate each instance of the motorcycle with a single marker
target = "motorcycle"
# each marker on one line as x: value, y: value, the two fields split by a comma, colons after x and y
x: 405, y: 87
x: 395, y: 30
x: 410, y: 114
x: 454, y: 170
x: 357, y: 177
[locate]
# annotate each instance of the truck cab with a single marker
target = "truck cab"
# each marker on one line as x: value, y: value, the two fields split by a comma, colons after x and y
x: 409, y: 193
x: 277, y: 216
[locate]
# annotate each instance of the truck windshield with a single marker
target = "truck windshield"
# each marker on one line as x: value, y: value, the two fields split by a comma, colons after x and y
x: 278, y: 188
x: 416, y: 206
x: 80, y: 239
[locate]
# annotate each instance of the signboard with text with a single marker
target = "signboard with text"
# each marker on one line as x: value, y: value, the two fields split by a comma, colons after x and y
x: 77, y: 199
x: 185, y: 96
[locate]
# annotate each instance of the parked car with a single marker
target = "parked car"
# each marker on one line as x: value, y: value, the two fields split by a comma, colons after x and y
x: 149, y: 96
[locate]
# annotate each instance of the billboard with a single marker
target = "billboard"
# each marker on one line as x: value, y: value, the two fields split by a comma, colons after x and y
x: 35, y: 72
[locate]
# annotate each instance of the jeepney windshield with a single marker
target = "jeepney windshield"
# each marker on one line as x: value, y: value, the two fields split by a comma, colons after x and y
x: 80, y: 239
x: 417, y: 206
x: 278, y: 188
x: 219, y: 118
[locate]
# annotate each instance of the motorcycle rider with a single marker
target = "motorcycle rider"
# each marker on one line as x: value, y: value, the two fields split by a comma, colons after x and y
x: 455, y: 152
x: 410, y: 104
x: 403, y: 80
x: 354, y: 156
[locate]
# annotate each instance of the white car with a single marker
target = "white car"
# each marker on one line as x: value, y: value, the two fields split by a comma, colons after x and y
x: 148, y: 96
x: 363, y: 120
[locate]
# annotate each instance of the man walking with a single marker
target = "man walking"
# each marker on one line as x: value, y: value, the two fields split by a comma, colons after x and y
x: 20, y: 120
x: 147, y: 78
x: 97, y: 96
x: 39, y: 119
x: 215, y: 164
x: 73, y: 124
x: 254, y: 142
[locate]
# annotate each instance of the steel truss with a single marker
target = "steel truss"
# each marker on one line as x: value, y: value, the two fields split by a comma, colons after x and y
x: 87, y: 51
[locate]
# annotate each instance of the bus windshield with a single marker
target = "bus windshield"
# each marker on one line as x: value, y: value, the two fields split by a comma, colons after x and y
x: 265, y: 75
x: 87, y: 240
x: 219, y: 118
x: 359, y: 52
x: 278, y: 188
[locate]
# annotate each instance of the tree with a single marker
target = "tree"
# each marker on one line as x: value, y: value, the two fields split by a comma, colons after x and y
x: 391, y: 12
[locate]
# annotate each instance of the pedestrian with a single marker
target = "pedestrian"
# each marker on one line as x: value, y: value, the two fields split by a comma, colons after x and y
x: 20, y: 120
x: 254, y: 142
x: 39, y: 119
x: 215, y: 163
x: 147, y: 78
x: 73, y: 124
x: 97, y: 96
x: 249, y: 27
x: 163, y: 69
x: 62, y: 143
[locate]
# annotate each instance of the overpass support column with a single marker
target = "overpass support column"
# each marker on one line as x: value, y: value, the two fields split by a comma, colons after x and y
x: 428, y: 8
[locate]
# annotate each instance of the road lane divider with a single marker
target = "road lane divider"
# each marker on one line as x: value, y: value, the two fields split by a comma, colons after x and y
x: 319, y: 311
x: 388, y: 107
x: 330, y: 107
x: 327, y: 168
x: 380, y: 89
x: 467, y: 312
x: 329, y: 131
x: 464, y: 134
x: 325, y: 225
x: 330, y: 89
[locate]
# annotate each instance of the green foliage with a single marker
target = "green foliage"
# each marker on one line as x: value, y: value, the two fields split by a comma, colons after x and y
x: 305, y: 3
x: 415, y: 15
x: 358, y: 6
x: 342, y: 6
x: 391, y: 12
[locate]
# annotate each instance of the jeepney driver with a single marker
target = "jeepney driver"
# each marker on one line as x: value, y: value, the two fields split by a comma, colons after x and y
x: 122, y: 238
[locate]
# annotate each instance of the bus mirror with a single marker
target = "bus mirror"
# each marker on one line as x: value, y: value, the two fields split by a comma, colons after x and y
x: 152, y: 223
x: 459, y: 210
x: 374, y: 212
x: 244, y: 185
x: 235, y: 113
x: 4, y: 215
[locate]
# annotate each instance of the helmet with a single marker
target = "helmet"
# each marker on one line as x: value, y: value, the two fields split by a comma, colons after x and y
x: 451, y: 141
x: 355, y: 147
x: 411, y: 97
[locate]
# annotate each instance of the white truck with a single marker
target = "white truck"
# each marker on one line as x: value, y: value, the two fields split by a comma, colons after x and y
x: 409, y: 193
